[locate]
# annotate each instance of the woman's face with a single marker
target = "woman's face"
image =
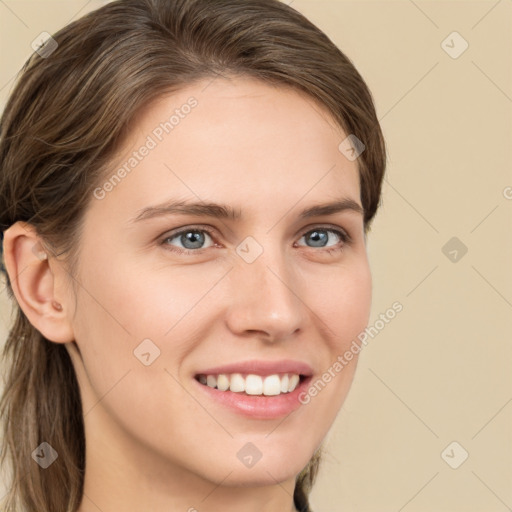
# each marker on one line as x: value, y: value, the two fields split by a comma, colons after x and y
x: 175, y: 291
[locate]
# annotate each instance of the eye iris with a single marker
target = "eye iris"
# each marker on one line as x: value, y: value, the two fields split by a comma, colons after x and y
x: 196, y: 238
x: 319, y: 236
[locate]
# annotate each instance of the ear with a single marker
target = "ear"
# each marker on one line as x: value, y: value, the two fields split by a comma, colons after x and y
x: 34, y: 276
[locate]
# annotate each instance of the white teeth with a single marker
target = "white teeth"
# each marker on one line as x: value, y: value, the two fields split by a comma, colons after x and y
x: 270, y: 385
x: 294, y: 380
x: 222, y: 382
x: 284, y: 383
x: 211, y: 381
x: 237, y: 383
x: 253, y: 385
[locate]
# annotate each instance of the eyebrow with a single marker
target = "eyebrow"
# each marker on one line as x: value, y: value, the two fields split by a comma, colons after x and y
x: 227, y: 212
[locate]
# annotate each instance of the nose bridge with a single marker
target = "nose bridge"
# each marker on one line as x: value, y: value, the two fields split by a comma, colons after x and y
x: 264, y: 298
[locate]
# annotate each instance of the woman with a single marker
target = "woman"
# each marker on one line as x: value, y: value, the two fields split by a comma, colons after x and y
x: 186, y: 187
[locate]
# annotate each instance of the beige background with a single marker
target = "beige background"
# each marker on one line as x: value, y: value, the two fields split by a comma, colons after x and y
x: 441, y: 370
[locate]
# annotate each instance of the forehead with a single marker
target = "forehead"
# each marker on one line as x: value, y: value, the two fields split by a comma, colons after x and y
x: 238, y: 141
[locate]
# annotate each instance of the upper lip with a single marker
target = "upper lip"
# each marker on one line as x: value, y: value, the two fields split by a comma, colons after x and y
x: 262, y: 368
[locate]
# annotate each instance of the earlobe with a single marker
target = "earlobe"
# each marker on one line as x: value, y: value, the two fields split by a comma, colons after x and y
x: 33, y: 281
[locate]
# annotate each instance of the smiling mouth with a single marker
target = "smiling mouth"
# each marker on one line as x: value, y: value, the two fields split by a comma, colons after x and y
x: 252, y: 384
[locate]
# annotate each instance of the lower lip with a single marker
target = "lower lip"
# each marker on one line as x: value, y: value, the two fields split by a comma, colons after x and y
x: 258, y: 406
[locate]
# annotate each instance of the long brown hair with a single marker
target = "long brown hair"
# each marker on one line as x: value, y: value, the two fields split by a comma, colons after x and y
x: 64, y: 120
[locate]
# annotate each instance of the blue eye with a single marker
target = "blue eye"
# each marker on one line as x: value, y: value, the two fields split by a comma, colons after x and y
x: 320, y: 237
x: 192, y: 240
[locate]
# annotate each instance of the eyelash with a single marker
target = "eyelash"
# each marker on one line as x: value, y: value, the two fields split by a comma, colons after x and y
x: 344, y: 237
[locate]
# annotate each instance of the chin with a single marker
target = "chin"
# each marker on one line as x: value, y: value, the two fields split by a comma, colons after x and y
x: 257, y: 462
x: 277, y: 464
x: 263, y: 476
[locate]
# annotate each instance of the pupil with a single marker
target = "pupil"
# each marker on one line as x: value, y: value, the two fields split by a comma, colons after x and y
x: 320, y: 236
x: 195, y: 238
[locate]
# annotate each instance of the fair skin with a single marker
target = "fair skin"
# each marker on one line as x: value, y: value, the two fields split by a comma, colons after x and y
x: 155, y: 439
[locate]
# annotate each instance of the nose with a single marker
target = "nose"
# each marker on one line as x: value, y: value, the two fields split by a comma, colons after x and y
x: 265, y: 299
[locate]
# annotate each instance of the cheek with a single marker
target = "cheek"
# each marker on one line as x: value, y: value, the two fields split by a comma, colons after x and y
x: 343, y: 302
x: 118, y: 312
x: 343, y: 305
x: 343, y: 310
